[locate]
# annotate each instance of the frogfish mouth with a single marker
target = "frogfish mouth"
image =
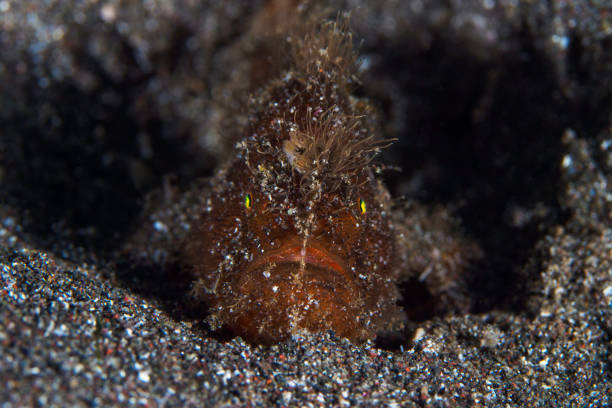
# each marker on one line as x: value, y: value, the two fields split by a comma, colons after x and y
x: 296, y: 234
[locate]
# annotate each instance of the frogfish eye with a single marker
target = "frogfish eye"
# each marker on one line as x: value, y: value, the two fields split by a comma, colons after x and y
x: 362, y: 206
x: 248, y: 201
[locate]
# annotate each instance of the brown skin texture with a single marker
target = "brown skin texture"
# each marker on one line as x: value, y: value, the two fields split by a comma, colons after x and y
x: 297, y: 234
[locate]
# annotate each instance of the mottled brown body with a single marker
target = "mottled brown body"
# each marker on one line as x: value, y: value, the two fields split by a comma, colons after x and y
x: 297, y: 235
x: 295, y: 232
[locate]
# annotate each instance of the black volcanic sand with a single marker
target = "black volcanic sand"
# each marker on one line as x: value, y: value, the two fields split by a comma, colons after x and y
x: 503, y: 113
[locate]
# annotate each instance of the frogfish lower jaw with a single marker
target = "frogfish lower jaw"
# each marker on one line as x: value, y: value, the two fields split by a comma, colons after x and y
x: 303, y: 289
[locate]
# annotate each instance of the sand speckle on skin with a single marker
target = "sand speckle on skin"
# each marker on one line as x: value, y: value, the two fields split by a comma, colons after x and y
x: 100, y: 101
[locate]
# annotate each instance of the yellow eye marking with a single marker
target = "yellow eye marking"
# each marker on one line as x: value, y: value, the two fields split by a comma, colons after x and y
x: 362, y: 206
x: 248, y: 201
